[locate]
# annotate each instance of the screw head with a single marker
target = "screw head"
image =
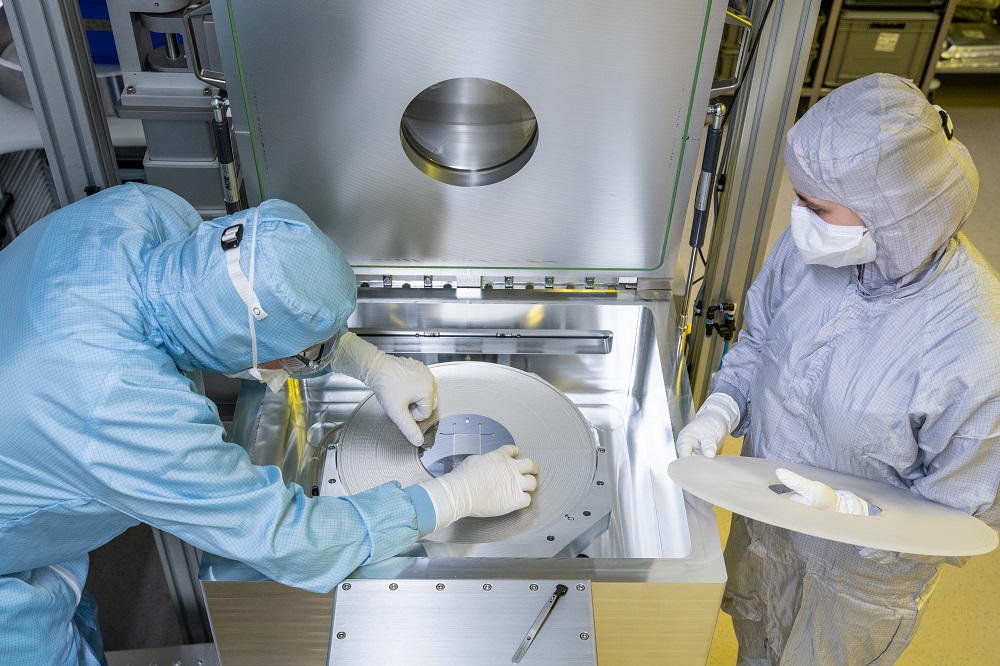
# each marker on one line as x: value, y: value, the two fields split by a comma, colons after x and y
x: 345, y: 586
x: 601, y: 450
x: 130, y: 90
x: 487, y: 587
x: 586, y: 513
x: 584, y: 636
x: 550, y: 538
x: 600, y: 483
x: 206, y: 91
x: 533, y: 587
x: 439, y: 586
x: 581, y: 587
x: 341, y: 635
x: 393, y: 586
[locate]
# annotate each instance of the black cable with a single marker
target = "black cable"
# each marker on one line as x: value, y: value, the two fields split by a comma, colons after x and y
x: 702, y: 256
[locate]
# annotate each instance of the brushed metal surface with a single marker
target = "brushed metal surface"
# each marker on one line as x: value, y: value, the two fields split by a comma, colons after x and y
x: 544, y: 425
x: 473, y: 622
x: 622, y: 395
x: 659, y: 562
x: 468, y: 132
x: 618, y: 91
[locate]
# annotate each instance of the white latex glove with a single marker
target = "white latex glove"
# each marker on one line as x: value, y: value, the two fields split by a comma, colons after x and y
x: 820, y: 495
x: 403, y: 386
x: 707, y: 430
x: 490, y: 484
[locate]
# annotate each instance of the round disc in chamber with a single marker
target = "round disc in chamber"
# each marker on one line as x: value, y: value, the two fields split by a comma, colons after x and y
x: 481, y: 406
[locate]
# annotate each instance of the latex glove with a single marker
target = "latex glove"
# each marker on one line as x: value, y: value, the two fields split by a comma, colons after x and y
x: 403, y: 386
x: 708, y: 429
x: 490, y: 484
x: 820, y: 495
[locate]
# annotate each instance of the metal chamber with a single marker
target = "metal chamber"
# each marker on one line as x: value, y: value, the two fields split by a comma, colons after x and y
x: 654, y: 577
x: 622, y: 394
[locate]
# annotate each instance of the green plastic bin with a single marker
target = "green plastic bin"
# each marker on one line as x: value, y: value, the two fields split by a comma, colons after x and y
x: 866, y: 42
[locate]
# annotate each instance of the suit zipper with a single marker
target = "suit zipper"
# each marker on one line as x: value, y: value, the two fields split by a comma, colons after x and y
x: 68, y: 577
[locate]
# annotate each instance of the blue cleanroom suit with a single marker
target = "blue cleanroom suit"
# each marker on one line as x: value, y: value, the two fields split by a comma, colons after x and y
x: 102, y: 305
x: 889, y: 371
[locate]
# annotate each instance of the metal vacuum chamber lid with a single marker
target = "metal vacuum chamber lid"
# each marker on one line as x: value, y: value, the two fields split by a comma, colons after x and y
x: 907, y: 523
x: 530, y: 136
x: 481, y: 407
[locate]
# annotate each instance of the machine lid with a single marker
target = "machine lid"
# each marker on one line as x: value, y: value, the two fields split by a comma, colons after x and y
x: 531, y: 136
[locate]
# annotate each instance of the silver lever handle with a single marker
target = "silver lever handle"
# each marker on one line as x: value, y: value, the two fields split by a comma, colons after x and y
x: 211, y: 77
x: 728, y: 85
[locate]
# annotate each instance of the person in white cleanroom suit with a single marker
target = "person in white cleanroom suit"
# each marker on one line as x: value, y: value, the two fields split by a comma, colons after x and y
x: 111, y: 307
x: 871, y: 347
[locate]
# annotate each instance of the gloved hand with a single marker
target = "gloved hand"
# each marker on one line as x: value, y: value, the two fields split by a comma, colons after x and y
x: 820, y: 495
x: 707, y: 430
x: 403, y: 386
x: 490, y: 484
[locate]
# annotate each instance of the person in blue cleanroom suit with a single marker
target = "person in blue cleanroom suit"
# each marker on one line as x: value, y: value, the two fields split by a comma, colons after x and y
x: 871, y: 347
x: 106, y: 304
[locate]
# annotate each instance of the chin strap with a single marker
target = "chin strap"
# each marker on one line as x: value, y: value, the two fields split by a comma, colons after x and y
x: 232, y: 238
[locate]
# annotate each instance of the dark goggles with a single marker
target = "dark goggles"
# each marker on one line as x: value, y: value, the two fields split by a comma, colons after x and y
x: 311, y: 360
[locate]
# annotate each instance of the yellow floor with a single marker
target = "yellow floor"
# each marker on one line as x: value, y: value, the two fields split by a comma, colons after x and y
x: 961, y: 624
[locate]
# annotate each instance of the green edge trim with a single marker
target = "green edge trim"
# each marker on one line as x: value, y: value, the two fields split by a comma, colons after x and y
x: 246, y: 100
x: 687, y: 128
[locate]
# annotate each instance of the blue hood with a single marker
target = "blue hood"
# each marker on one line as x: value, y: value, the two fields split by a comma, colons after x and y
x: 301, y: 278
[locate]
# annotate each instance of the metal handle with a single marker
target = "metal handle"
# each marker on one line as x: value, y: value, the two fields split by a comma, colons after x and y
x: 211, y: 77
x: 724, y: 86
x: 537, y: 624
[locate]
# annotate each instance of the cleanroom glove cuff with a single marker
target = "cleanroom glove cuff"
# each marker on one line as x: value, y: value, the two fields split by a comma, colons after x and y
x: 424, y: 508
x: 820, y: 495
x: 718, y: 416
x: 482, y: 486
x: 404, y: 387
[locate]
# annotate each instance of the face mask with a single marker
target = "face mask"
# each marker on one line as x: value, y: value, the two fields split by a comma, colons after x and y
x: 274, y: 379
x: 820, y: 242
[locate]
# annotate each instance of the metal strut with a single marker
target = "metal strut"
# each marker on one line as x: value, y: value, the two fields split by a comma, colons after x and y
x: 703, y: 198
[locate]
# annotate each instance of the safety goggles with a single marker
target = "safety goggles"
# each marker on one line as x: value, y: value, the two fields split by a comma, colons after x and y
x: 311, y: 360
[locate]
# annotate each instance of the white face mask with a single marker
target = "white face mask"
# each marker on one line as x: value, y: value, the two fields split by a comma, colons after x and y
x: 820, y: 242
x: 274, y: 379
